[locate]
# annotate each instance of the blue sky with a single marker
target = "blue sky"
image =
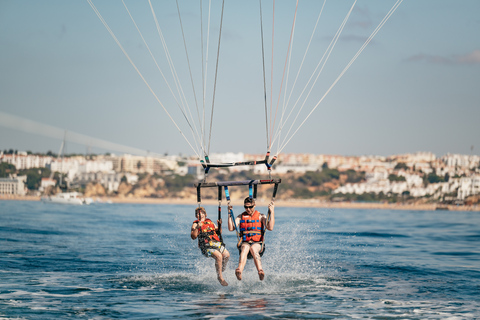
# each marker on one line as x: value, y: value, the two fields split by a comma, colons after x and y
x: 413, y: 88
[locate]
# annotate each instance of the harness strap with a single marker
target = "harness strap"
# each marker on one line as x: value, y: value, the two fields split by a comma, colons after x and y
x: 230, y: 212
x: 220, y: 212
x: 199, y: 196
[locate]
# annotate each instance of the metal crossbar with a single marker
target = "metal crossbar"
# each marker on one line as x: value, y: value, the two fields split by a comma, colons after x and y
x: 236, y: 183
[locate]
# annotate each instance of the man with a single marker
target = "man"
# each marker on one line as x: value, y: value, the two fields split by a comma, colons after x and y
x: 209, y: 241
x: 251, y: 228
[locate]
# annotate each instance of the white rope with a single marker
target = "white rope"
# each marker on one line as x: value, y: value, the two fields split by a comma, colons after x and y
x: 264, y: 77
x: 215, y: 81
x: 138, y: 71
x: 323, y: 59
x: 188, y: 62
x: 288, y: 74
x: 206, y: 72
x: 193, y: 129
x: 284, y: 69
x: 328, y: 52
x: 299, y: 69
x: 186, y: 108
x: 203, y: 74
x: 377, y: 29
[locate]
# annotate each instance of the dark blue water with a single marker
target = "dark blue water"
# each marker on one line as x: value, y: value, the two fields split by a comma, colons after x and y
x: 131, y: 261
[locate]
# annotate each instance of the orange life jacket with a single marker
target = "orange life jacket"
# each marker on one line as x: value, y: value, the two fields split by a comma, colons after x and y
x: 207, y: 233
x: 251, y: 227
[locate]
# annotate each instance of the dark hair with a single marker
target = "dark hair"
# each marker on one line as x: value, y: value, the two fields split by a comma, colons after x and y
x: 249, y: 200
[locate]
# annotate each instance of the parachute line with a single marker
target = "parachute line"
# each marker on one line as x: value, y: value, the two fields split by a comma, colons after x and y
x: 138, y: 71
x: 286, y: 103
x: 215, y: 81
x: 264, y: 79
x: 326, y: 55
x: 188, y: 62
x: 372, y: 35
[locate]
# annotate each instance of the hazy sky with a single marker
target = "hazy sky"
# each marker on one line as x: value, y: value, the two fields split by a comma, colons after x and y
x: 414, y: 88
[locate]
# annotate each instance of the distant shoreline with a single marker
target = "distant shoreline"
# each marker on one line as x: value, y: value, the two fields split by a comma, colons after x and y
x: 279, y: 203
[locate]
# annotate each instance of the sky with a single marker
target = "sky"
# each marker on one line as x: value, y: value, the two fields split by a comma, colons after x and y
x: 413, y: 88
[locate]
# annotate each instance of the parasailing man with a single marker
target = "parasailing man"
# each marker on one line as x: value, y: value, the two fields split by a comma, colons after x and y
x: 252, y: 225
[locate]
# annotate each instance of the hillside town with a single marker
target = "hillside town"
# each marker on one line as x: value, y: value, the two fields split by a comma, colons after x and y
x: 421, y: 176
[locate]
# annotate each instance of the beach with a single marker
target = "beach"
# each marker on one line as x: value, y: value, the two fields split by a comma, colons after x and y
x: 313, y: 203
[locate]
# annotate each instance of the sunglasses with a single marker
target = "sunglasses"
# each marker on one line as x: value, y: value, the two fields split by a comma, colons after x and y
x: 248, y: 207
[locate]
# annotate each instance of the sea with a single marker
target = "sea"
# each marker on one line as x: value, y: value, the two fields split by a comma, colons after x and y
x: 137, y: 261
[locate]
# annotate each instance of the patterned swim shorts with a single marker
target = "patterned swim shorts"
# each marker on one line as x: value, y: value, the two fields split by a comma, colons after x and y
x: 212, y: 247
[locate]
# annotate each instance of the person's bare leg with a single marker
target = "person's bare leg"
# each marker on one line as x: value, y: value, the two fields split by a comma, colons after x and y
x: 225, y: 258
x: 255, y: 252
x: 242, y: 260
x: 218, y: 266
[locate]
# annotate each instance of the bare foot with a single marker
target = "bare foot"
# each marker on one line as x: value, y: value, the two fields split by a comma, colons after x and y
x: 238, y: 273
x: 223, y: 282
x: 261, y: 275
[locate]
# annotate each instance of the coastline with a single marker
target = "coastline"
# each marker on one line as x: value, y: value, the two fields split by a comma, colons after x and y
x: 280, y: 203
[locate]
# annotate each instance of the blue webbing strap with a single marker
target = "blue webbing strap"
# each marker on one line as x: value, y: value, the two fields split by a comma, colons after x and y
x: 230, y: 211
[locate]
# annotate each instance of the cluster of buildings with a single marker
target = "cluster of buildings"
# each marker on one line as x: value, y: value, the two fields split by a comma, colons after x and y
x: 108, y: 170
x: 460, y: 173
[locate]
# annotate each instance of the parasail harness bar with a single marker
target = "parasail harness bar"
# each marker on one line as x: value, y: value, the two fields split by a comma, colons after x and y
x: 269, y: 163
x: 251, y: 183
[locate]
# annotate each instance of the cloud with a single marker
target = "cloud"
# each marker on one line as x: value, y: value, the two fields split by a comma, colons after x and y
x: 362, y: 18
x: 469, y: 58
x: 349, y: 38
x: 429, y: 58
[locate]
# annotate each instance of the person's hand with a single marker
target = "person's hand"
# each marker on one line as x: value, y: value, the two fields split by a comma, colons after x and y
x: 271, y: 207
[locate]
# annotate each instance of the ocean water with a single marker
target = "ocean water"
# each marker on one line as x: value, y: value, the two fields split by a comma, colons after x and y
x: 137, y: 261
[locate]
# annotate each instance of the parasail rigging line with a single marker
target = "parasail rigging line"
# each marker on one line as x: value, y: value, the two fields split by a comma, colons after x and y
x: 271, y: 70
x: 139, y: 73
x: 372, y: 35
x: 264, y: 79
x: 216, y: 73
x: 284, y: 69
x: 324, y: 59
x: 206, y: 73
x: 188, y: 62
x: 203, y: 73
x: 170, y: 62
x: 286, y: 101
x: 194, y: 129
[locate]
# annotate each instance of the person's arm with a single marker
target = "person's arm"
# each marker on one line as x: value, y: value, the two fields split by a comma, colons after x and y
x: 219, y: 228
x: 194, y: 231
x: 271, y: 222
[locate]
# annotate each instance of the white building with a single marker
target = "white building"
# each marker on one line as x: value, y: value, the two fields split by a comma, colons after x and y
x: 96, y: 166
x: 461, y: 160
x: 468, y: 186
x: 13, y: 185
x: 23, y: 161
x: 47, y: 182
